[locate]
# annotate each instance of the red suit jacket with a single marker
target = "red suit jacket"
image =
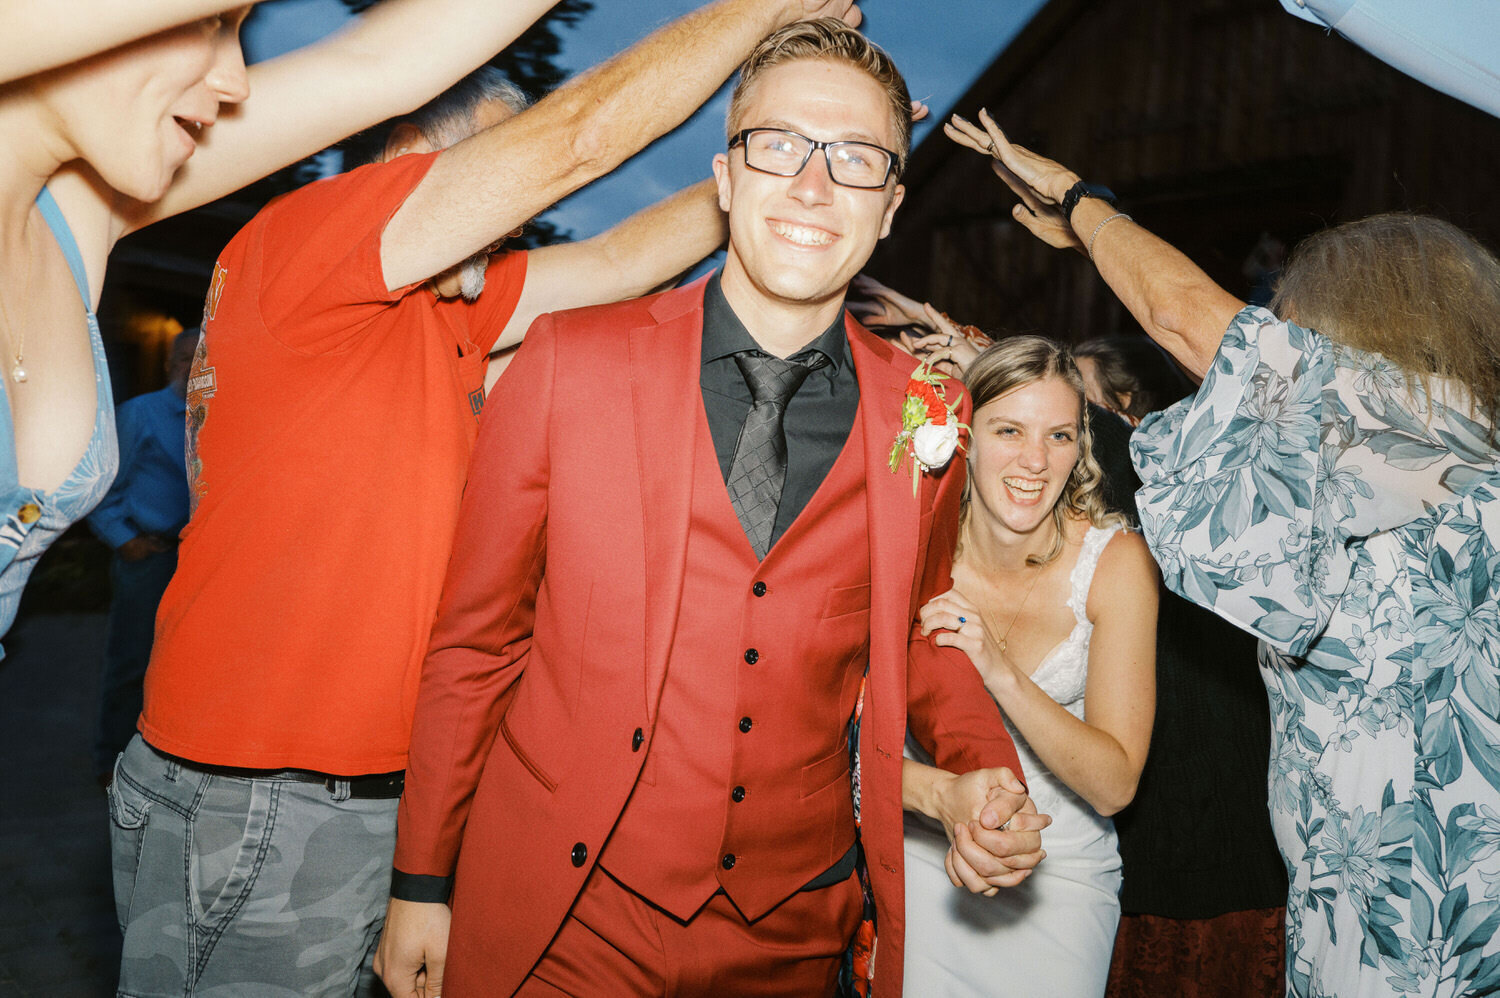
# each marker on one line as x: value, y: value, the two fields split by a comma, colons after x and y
x: 559, y: 612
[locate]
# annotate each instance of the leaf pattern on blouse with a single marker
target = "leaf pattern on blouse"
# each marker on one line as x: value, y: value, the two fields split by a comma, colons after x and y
x: 1307, y: 494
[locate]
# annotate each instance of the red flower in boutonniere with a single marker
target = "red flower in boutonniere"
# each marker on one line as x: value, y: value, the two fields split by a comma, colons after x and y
x: 930, y: 427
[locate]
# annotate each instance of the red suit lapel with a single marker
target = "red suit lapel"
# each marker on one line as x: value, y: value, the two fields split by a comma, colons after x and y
x: 665, y: 362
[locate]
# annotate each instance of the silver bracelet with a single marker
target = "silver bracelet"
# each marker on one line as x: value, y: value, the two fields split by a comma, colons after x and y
x: 1095, y: 234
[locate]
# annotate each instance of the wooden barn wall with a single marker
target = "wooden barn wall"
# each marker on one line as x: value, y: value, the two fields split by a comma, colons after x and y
x: 1217, y: 121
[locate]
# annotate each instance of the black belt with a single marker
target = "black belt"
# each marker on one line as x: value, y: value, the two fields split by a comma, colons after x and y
x: 375, y: 786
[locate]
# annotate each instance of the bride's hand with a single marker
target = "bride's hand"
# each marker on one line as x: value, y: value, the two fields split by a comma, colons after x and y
x: 954, y: 622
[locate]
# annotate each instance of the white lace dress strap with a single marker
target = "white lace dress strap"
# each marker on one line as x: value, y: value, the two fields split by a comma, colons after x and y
x: 1082, y: 578
x: 1064, y: 673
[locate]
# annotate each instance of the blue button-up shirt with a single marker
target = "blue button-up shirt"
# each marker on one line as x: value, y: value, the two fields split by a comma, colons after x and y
x: 150, y: 494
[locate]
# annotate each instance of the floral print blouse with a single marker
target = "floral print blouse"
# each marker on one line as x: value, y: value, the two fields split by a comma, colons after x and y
x: 1308, y: 494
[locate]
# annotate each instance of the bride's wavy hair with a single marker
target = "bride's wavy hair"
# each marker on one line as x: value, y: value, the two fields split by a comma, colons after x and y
x: 1016, y: 362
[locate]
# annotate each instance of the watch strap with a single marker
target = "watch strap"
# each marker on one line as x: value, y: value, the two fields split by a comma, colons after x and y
x: 1082, y: 190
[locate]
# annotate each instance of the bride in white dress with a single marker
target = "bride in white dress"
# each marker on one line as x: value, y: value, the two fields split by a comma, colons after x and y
x: 1055, y: 605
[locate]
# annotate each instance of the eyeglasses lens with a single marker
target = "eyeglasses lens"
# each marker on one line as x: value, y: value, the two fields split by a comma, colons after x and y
x: 851, y: 164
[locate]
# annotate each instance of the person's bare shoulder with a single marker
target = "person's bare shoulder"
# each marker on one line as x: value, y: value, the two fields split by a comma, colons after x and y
x: 1127, y: 575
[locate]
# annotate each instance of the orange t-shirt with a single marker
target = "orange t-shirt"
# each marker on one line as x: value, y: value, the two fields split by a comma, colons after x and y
x: 329, y: 429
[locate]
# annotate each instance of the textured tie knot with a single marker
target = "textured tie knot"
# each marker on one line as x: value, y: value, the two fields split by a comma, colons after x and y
x: 772, y: 379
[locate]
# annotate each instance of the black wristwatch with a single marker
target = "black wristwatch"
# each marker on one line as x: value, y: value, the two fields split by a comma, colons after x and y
x: 1082, y: 190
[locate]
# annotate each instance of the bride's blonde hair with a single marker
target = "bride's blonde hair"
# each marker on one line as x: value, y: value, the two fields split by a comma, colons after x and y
x: 1016, y: 362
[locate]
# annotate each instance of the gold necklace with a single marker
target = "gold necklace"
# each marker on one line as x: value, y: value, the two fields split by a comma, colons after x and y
x: 18, y: 369
x: 1029, y: 589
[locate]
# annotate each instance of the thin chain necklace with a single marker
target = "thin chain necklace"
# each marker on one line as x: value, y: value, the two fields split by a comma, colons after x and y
x: 18, y: 369
x: 1037, y: 577
x: 1029, y: 589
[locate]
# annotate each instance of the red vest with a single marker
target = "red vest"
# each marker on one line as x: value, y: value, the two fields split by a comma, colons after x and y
x: 770, y: 654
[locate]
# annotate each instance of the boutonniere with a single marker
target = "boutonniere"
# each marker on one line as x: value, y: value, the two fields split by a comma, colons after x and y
x: 929, y: 425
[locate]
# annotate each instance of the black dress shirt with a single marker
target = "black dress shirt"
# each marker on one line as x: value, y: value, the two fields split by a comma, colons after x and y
x: 818, y: 417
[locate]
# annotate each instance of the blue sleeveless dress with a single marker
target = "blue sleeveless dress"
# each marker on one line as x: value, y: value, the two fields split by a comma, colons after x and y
x: 33, y: 519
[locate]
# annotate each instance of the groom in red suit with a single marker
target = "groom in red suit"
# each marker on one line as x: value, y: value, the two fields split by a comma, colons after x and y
x: 679, y: 550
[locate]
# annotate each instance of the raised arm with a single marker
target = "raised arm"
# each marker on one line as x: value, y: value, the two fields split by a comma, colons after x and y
x: 391, y: 59
x: 646, y: 250
x: 489, y: 184
x: 1178, y: 305
x: 40, y: 36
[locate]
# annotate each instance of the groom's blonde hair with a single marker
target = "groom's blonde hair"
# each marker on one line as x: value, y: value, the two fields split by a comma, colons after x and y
x: 827, y: 38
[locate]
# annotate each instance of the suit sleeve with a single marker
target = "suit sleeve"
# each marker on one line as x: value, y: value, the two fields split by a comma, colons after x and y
x: 948, y: 710
x: 482, y: 634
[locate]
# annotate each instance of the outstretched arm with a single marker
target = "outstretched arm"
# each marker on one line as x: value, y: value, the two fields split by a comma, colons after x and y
x: 924, y: 331
x: 39, y: 36
x: 1177, y: 304
x: 883, y: 306
x: 645, y: 251
x: 390, y: 60
x: 488, y: 185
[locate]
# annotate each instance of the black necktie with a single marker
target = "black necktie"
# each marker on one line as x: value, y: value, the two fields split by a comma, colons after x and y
x: 758, y: 471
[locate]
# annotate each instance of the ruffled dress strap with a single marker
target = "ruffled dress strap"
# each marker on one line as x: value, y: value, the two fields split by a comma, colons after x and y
x: 1082, y: 577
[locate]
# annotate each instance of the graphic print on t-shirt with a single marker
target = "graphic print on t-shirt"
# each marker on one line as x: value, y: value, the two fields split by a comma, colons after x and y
x: 201, y: 387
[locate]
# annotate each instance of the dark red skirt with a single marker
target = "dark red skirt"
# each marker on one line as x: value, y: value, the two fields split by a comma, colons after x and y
x: 1238, y: 955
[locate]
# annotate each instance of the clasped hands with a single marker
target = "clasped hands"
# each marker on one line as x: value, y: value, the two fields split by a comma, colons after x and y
x: 994, y: 830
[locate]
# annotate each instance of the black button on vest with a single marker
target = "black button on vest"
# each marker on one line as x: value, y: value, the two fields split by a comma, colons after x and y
x: 580, y: 854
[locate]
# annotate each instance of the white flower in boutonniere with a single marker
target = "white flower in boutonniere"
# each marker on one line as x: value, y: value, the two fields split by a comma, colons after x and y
x: 929, y: 433
x: 934, y: 443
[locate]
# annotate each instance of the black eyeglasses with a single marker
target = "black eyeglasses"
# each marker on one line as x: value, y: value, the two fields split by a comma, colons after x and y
x: 784, y: 153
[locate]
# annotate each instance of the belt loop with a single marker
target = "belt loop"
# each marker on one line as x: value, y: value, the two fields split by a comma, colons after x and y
x: 174, y: 768
x: 338, y: 788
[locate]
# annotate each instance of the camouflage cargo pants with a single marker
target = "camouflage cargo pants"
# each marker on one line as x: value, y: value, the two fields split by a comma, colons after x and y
x: 227, y: 886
